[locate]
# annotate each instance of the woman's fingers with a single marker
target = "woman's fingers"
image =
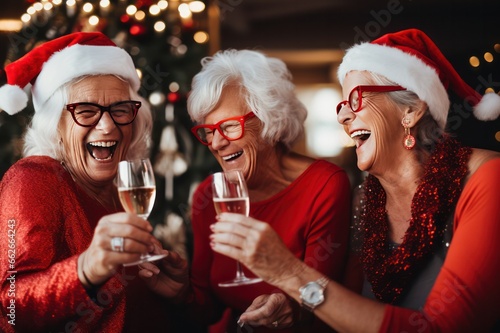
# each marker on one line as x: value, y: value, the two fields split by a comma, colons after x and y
x: 254, y: 243
x: 126, y: 218
x: 118, y: 239
x: 273, y: 311
x: 135, y: 232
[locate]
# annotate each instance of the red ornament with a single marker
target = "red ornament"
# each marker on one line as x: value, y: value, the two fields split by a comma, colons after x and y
x: 173, y: 97
x: 124, y: 18
x: 143, y: 3
x: 137, y: 30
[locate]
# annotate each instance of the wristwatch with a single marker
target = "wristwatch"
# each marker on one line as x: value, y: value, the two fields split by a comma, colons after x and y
x: 312, y: 293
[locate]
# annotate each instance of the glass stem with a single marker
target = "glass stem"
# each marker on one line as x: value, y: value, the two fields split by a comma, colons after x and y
x: 239, y: 271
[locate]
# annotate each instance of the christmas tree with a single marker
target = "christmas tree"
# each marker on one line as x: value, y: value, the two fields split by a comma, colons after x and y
x: 166, y: 40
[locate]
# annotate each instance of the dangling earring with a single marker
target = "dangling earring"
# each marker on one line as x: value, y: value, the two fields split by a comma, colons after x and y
x: 409, y: 140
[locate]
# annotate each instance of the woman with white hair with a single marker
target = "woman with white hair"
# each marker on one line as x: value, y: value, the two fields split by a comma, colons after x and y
x: 429, y: 217
x: 249, y: 118
x: 62, y: 225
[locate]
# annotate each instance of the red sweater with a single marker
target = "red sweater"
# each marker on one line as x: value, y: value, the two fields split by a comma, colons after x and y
x: 46, y: 221
x: 466, y: 294
x: 312, y: 217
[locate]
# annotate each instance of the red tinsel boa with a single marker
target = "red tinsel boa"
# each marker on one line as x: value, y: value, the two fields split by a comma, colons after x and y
x: 390, y: 271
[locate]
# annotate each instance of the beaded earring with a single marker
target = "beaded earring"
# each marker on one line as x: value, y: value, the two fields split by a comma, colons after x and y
x: 409, y: 140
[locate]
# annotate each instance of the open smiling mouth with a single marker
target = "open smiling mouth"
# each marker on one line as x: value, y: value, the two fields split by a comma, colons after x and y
x: 360, y: 137
x: 102, y: 150
x: 232, y: 157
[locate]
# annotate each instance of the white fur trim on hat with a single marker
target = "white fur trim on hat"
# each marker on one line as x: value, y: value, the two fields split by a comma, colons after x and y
x: 402, y: 68
x: 13, y: 98
x: 78, y: 60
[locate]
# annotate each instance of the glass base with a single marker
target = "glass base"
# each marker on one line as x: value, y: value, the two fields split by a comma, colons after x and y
x: 146, y: 258
x: 240, y: 281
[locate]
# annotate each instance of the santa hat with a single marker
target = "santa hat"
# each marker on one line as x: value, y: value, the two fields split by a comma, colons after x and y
x: 410, y: 59
x: 54, y: 63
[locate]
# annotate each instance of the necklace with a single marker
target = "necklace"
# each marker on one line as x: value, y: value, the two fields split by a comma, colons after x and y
x: 391, y: 270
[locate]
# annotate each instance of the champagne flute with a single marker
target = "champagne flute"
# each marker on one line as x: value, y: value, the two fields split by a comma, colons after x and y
x: 230, y: 194
x: 137, y: 193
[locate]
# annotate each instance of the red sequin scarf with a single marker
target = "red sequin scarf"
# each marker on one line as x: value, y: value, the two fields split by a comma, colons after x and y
x: 390, y: 271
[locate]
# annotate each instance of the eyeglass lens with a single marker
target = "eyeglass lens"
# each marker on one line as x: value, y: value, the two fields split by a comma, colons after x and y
x: 89, y: 114
x: 355, y: 99
x: 230, y: 129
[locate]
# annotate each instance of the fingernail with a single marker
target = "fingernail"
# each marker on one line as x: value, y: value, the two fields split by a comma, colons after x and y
x: 240, y: 323
x: 212, y: 227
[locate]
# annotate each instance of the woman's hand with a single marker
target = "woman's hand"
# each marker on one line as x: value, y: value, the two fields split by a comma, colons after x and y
x: 99, y: 262
x: 274, y: 310
x: 256, y: 245
x: 170, y: 278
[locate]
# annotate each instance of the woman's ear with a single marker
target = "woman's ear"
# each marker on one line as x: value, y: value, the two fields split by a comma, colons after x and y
x: 414, y: 114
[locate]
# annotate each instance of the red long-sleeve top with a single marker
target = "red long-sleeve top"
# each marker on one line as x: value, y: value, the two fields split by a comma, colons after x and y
x: 46, y: 221
x: 466, y: 294
x: 312, y: 218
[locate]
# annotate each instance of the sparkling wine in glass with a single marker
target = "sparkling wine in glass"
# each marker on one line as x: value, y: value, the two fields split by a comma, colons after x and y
x: 137, y: 193
x: 230, y: 194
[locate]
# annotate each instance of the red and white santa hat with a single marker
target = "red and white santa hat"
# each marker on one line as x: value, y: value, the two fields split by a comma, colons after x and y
x: 54, y: 63
x: 411, y: 59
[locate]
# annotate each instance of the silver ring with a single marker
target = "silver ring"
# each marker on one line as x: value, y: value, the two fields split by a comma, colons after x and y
x: 275, y: 323
x: 117, y: 244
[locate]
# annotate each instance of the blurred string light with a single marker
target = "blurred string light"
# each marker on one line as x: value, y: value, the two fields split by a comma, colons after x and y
x: 486, y: 58
x: 88, y: 7
x: 136, y: 14
x: 475, y: 61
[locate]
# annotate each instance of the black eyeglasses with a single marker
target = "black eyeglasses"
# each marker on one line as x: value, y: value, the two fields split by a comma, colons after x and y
x: 356, y: 95
x: 89, y: 114
x: 230, y: 128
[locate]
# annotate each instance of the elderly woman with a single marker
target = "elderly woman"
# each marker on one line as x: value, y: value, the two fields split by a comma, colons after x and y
x: 59, y: 208
x: 249, y: 118
x: 429, y: 221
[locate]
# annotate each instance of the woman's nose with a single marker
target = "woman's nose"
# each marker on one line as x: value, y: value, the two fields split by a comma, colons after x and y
x: 345, y: 115
x: 106, y: 123
x: 218, y: 141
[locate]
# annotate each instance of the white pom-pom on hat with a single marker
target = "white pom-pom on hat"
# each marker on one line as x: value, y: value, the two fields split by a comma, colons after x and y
x: 488, y: 108
x: 13, y: 98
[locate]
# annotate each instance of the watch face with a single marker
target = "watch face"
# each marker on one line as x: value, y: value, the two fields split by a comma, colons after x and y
x: 312, y: 293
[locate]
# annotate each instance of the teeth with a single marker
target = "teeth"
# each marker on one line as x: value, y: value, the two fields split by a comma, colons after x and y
x: 228, y: 157
x: 104, y: 159
x: 103, y: 143
x: 358, y: 133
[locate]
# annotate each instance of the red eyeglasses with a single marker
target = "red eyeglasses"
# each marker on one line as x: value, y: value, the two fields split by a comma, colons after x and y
x: 230, y: 128
x: 356, y: 95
